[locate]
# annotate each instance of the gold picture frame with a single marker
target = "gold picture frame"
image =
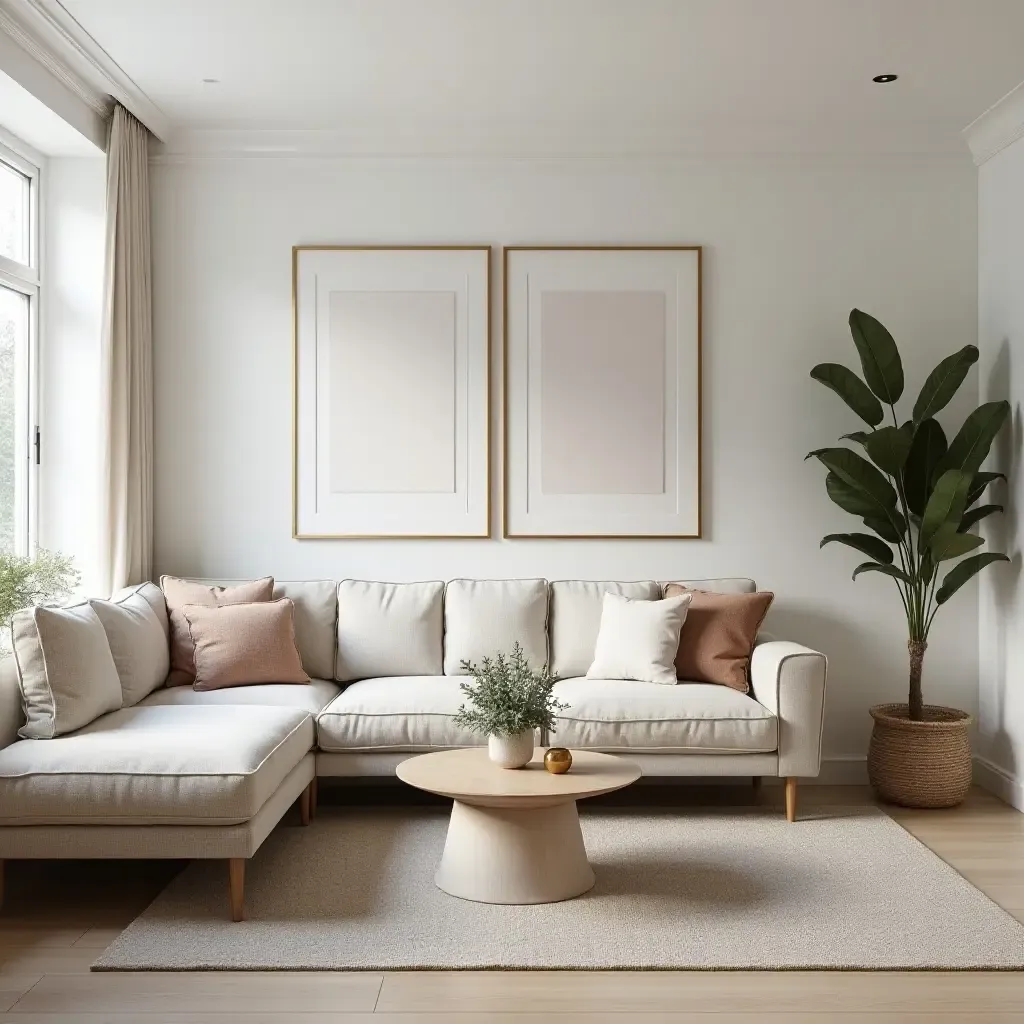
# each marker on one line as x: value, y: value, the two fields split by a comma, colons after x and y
x: 508, y: 253
x: 486, y: 251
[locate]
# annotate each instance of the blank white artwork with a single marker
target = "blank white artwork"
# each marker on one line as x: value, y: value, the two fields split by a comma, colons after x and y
x: 391, y: 392
x: 602, y: 402
x: 393, y: 361
x: 602, y: 393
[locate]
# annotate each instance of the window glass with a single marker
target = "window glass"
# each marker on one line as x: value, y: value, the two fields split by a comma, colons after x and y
x: 14, y: 214
x: 14, y: 327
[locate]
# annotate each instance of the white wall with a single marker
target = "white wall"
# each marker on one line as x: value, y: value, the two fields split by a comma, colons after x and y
x: 790, y: 248
x: 1001, y: 338
x: 75, y: 196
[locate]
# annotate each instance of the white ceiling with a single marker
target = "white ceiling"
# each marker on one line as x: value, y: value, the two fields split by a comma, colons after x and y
x: 572, y: 76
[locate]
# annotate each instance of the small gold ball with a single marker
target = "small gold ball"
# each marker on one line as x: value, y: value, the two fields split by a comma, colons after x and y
x: 558, y: 760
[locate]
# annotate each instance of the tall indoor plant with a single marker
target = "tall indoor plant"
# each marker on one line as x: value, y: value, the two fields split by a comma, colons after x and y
x: 918, y: 495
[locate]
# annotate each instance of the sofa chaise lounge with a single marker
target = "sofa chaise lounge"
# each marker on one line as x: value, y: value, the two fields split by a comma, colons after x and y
x: 184, y: 774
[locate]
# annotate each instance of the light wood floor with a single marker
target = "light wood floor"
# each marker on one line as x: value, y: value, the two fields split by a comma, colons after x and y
x: 60, y: 915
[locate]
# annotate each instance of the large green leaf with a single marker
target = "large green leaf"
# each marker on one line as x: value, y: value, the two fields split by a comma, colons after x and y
x: 979, y: 483
x: 943, y: 382
x: 860, y: 436
x: 858, y: 473
x: 862, y: 542
x: 926, y: 451
x: 889, y: 447
x: 879, y: 356
x: 973, y: 516
x: 890, y: 570
x: 946, y: 503
x: 851, y: 389
x: 963, y: 571
x: 969, y: 448
x: 949, y: 543
x: 848, y: 498
x: 893, y: 528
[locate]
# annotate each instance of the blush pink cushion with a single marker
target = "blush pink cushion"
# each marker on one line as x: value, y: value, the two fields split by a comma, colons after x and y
x: 178, y: 593
x: 242, y: 644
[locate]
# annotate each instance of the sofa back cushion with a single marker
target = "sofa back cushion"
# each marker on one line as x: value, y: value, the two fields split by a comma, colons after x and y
x: 389, y: 629
x: 316, y: 619
x: 137, y: 639
x: 486, y: 617
x: 179, y: 592
x: 66, y: 672
x: 576, y: 617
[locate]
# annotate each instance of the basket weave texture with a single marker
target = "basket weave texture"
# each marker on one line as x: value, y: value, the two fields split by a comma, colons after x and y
x: 920, y: 764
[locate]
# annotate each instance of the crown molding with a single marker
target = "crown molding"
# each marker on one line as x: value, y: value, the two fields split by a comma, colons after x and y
x: 46, y: 31
x: 1000, y: 126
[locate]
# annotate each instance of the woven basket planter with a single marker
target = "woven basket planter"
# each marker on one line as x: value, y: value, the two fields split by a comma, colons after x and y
x: 920, y: 764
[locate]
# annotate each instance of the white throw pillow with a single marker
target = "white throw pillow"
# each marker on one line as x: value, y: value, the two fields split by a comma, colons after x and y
x: 138, y: 642
x: 66, y: 672
x: 639, y: 639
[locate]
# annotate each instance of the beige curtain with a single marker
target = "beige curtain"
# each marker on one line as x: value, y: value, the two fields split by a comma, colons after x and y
x: 126, y: 500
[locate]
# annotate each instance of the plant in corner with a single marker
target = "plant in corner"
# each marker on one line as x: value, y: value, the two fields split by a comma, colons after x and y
x: 509, y: 702
x: 48, y: 577
x: 918, y: 495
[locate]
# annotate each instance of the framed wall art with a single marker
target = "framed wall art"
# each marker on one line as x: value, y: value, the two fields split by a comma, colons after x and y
x: 392, y: 368
x: 602, y: 399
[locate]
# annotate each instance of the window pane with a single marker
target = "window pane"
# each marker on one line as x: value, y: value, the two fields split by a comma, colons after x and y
x: 14, y: 214
x: 14, y: 313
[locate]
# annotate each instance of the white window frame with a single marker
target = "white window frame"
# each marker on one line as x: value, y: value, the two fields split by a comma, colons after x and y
x: 27, y: 279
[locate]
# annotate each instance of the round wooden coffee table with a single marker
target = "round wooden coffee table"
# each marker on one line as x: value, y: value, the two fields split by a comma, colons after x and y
x: 514, y: 834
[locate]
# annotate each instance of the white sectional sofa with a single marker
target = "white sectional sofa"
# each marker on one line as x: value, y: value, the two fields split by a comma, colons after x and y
x: 187, y: 774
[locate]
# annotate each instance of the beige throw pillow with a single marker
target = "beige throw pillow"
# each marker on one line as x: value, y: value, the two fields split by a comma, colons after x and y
x: 66, y: 672
x: 239, y: 645
x: 717, y: 642
x: 638, y: 639
x: 137, y: 641
x: 178, y: 593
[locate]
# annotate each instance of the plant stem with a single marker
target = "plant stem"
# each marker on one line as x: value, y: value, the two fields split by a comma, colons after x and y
x: 915, y: 703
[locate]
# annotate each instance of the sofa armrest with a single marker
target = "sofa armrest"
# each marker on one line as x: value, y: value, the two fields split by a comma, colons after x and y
x: 12, y: 717
x: 789, y: 680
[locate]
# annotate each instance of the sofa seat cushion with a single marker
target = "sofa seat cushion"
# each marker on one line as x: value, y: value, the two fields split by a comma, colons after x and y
x: 395, y: 713
x: 155, y: 766
x: 611, y: 714
x: 312, y: 698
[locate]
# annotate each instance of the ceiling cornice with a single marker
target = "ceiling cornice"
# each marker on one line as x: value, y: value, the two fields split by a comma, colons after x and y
x: 45, y: 30
x: 1000, y: 126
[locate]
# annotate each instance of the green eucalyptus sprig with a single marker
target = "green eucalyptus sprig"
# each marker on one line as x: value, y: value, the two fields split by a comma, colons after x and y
x: 915, y: 491
x: 507, y: 697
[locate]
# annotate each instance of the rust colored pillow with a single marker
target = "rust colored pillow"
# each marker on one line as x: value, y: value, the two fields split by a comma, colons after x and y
x: 242, y: 644
x: 178, y: 593
x: 718, y: 636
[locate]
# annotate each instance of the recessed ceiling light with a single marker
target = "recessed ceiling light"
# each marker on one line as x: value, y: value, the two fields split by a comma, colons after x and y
x: 211, y: 81
x: 885, y: 78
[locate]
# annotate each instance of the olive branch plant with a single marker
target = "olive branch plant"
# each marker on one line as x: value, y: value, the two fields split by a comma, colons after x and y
x: 46, y: 577
x: 507, y: 696
x: 915, y: 491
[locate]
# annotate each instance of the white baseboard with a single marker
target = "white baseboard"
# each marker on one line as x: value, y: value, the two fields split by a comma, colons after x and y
x: 999, y: 782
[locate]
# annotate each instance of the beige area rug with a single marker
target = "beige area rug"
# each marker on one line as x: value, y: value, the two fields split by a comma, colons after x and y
x: 684, y: 890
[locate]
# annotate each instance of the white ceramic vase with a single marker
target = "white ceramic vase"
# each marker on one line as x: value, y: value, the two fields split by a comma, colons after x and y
x: 511, y: 751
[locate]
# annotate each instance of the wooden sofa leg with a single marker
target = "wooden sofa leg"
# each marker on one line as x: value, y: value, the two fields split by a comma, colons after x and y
x: 306, y: 805
x: 314, y: 793
x: 236, y: 887
x: 756, y: 783
x: 1, y: 885
x: 790, y: 798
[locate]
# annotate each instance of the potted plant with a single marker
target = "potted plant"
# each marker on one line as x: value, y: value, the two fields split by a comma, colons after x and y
x: 918, y: 495
x: 510, y: 701
x: 48, y: 577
